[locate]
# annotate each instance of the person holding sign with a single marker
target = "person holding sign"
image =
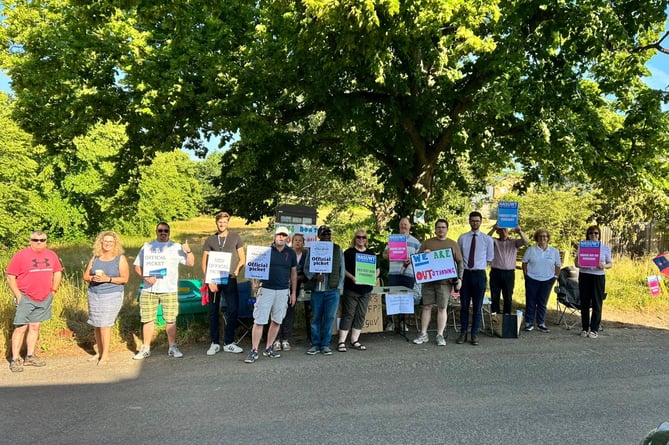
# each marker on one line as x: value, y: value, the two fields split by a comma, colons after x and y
x: 158, y: 264
x: 325, y: 272
x: 592, y: 280
x: 274, y: 295
x: 541, y: 267
x: 361, y: 273
x: 478, y: 251
x: 438, y: 292
x: 400, y: 270
x: 503, y: 267
x: 222, y: 258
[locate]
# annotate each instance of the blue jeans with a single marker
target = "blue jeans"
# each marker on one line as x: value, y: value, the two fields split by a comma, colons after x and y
x: 536, y: 299
x: 473, y: 288
x: 323, y: 310
x: 229, y: 291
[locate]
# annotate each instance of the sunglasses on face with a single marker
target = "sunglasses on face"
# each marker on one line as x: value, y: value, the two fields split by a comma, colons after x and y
x: 38, y: 240
x: 360, y: 237
x: 593, y: 233
x: 163, y: 230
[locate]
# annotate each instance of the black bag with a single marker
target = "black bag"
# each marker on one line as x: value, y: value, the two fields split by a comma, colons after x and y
x: 511, y: 325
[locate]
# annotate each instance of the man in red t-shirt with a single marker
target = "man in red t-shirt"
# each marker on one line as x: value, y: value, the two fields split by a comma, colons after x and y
x: 33, y: 276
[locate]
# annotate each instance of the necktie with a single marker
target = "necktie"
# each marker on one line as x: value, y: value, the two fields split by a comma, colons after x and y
x: 472, y: 251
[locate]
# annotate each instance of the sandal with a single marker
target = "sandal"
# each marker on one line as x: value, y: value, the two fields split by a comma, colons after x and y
x: 356, y: 345
x: 341, y: 347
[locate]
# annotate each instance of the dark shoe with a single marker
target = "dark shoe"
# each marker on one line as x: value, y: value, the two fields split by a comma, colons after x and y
x: 16, y: 365
x: 543, y: 328
x: 33, y: 360
x: 475, y: 340
x: 461, y: 338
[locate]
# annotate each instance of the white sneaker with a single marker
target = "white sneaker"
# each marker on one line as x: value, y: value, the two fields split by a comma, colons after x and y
x: 233, y: 348
x: 143, y: 353
x: 213, y: 349
x: 173, y: 351
x: 277, y: 345
x: 390, y: 326
x: 285, y: 345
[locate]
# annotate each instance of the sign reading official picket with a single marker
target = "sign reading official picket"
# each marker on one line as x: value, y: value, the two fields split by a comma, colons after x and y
x: 154, y: 264
x: 320, y: 257
x: 257, y: 262
x: 218, y: 267
x: 434, y: 265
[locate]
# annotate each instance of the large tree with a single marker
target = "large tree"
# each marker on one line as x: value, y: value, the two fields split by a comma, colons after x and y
x: 441, y: 92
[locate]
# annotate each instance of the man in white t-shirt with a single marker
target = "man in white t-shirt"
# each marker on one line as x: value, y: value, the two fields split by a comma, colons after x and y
x: 158, y: 264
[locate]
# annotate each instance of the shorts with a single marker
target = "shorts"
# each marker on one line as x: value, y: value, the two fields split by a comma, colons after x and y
x: 438, y: 294
x: 271, y: 301
x: 31, y: 311
x: 148, y: 306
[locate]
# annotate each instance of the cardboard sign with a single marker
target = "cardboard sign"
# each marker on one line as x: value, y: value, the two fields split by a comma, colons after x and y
x: 257, y: 262
x: 365, y: 269
x: 507, y: 215
x: 320, y: 257
x: 397, y: 248
x: 218, y: 267
x: 373, y: 319
x: 589, y: 253
x: 433, y: 266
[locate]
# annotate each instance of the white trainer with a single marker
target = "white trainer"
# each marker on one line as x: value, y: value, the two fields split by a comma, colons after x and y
x: 233, y: 348
x: 173, y: 351
x: 213, y: 349
x: 143, y: 353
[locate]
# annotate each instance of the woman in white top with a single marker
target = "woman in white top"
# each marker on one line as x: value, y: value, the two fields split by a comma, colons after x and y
x: 541, y: 266
x: 591, y: 283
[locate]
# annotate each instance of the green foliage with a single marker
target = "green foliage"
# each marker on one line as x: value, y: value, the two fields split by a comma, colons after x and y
x: 564, y: 213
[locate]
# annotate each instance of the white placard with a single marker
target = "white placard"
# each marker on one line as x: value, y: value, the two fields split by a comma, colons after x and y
x: 434, y: 265
x: 320, y: 257
x: 154, y: 264
x: 257, y: 262
x: 218, y: 267
x: 399, y: 303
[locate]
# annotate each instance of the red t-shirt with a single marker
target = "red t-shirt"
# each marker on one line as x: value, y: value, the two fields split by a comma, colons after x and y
x: 34, y: 271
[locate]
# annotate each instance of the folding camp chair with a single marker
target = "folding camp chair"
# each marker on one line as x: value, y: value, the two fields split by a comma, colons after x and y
x: 568, y: 299
x: 244, y: 311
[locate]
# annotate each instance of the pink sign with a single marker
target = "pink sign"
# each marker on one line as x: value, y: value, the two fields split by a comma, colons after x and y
x: 589, y: 253
x: 397, y: 248
x: 654, y: 285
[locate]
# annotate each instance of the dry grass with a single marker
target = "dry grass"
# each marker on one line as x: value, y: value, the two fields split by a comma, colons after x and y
x: 628, y: 295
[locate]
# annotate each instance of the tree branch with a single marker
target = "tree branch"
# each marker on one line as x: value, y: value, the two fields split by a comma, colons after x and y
x: 657, y: 46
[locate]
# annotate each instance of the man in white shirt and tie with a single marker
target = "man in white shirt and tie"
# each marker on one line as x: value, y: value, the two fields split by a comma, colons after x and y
x: 478, y: 252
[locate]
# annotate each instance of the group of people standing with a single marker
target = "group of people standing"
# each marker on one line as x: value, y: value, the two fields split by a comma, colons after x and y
x: 34, y: 275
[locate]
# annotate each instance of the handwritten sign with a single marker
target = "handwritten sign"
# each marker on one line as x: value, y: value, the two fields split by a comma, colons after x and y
x: 365, y: 269
x: 310, y: 232
x: 507, y: 215
x: 154, y: 263
x: 218, y: 267
x: 433, y: 266
x: 320, y: 257
x: 397, y: 248
x: 589, y: 253
x: 257, y: 262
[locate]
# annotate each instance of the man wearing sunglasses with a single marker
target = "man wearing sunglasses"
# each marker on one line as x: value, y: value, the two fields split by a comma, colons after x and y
x: 158, y: 264
x: 33, y: 276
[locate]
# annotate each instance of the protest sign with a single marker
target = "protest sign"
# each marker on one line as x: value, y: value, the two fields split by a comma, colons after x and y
x: 257, y: 262
x: 154, y: 263
x: 662, y: 263
x: 507, y: 215
x: 433, y: 266
x: 397, y: 248
x: 218, y: 267
x: 365, y: 269
x: 589, y: 253
x: 320, y: 257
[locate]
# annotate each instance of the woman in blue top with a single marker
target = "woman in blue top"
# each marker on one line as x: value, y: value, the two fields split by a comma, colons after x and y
x: 591, y: 283
x: 107, y: 272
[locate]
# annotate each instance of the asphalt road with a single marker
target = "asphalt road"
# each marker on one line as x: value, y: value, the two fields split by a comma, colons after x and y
x: 555, y: 388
